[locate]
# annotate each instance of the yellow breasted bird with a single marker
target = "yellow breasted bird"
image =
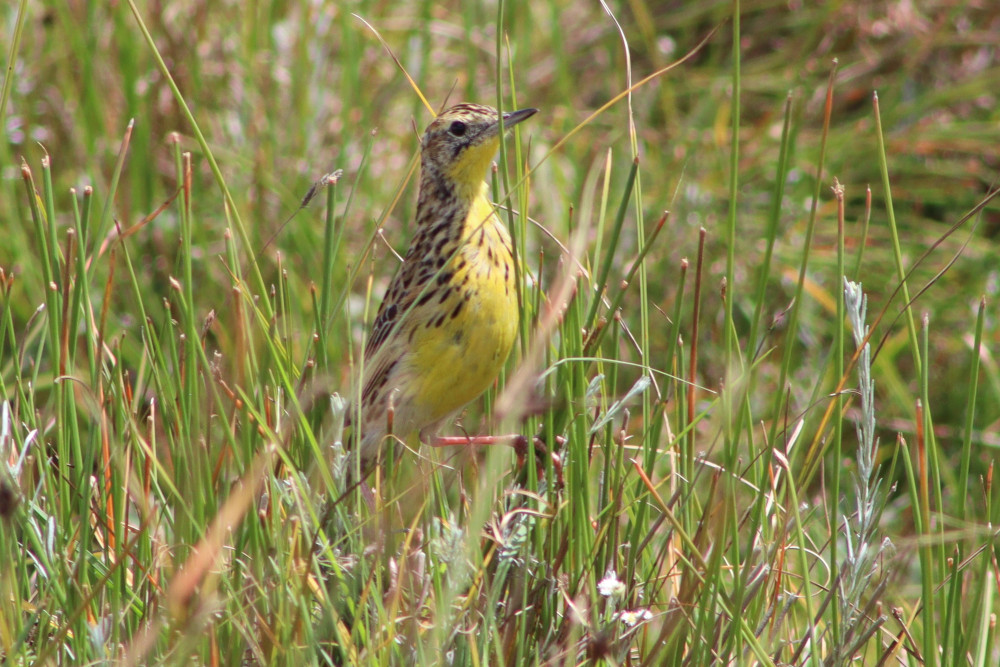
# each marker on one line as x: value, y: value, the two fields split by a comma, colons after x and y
x: 450, y: 316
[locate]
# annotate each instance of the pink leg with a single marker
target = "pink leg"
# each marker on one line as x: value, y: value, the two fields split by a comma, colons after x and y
x: 518, y: 442
x: 457, y: 440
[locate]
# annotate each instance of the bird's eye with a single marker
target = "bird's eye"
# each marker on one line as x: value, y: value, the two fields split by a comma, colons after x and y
x: 457, y: 128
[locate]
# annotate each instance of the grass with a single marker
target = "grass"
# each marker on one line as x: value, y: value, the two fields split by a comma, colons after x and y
x: 775, y: 407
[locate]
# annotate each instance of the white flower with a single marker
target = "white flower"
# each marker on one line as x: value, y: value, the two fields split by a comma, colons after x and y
x: 610, y: 586
x: 634, y: 617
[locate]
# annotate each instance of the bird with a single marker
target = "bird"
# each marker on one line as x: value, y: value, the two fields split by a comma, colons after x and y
x: 450, y: 315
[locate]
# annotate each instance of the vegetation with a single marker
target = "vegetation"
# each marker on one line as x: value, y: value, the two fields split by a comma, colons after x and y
x: 752, y: 466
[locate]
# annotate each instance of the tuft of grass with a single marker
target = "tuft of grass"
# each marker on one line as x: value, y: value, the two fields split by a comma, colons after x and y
x: 743, y: 463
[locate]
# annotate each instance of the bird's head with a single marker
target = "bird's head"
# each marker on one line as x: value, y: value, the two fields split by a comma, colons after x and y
x: 460, y: 144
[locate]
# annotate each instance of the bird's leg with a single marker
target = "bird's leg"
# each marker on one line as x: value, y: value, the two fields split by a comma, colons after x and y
x: 455, y: 440
x: 516, y: 440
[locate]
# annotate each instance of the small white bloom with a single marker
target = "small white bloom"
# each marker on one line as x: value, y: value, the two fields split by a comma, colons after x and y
x: 634, y: 617
x: 610, y: 586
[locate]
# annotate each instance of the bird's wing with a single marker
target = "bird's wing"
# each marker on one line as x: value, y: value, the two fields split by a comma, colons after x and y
x: 396, y: 303
x: 409, y: 287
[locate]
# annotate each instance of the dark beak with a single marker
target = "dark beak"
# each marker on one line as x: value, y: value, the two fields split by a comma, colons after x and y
x: 512, y: 118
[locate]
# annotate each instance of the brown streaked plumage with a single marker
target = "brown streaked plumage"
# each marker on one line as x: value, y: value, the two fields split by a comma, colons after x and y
x: 450, y: 315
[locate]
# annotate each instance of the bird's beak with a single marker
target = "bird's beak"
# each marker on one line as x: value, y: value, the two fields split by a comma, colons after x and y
x: 512, y: 118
